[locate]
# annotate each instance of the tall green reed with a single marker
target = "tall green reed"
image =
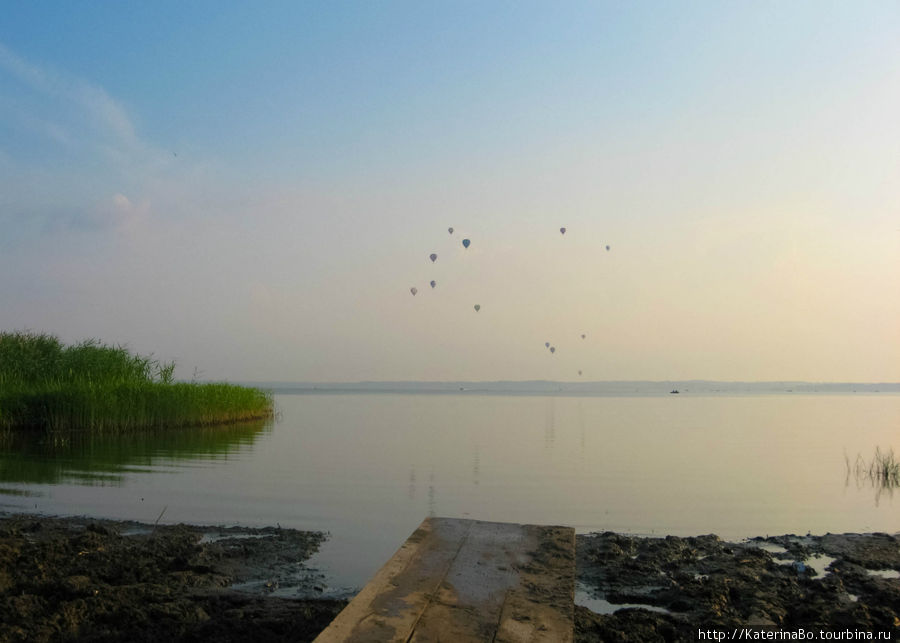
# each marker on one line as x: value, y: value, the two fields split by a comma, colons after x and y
x: 89, y: 385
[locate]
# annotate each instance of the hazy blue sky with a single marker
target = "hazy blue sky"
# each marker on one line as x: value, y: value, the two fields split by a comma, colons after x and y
x: 252, y: 188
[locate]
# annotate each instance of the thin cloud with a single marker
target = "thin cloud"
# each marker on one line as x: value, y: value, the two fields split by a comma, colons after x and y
x: 108, y: 115
x: 121, y: 212
x: 105, y: 158
x: 47, y: 129
x: 78, y: 147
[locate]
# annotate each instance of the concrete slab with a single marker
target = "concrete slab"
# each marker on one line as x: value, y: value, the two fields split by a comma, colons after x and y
x: 466, y: 581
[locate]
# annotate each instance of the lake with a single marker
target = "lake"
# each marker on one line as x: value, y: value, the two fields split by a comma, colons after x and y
x: 368, y: 466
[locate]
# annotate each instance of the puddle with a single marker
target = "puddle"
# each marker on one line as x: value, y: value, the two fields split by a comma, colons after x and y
x: 207, y: 537
x: 603, y: 606
x: 216, y: 537
x: 585, y: 598
x: 819, y: 562
x: 136, y: 531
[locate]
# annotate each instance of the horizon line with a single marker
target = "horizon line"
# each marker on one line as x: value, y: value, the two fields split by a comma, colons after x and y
x: 575, y: 383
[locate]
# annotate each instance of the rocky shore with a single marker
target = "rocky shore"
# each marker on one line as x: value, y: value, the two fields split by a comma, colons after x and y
x: 81, y: 579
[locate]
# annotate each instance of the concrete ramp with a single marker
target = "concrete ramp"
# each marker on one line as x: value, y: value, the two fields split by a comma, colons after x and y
x: 464, y: 581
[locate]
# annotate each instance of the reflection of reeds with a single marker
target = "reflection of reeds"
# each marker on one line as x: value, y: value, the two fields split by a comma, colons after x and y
x: 89, y: 456
x: 882, y: 471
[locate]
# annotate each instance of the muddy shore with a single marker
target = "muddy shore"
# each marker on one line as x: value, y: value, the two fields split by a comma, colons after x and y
x: 81, y: 579
x: 847, y: 583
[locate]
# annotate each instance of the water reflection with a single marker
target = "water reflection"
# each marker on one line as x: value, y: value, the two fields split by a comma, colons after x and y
x: 431, y: 503
x: 367, y: 467
x: 881, y: 473
x: 580, y: 411
x: 550, y: 423
x: 103, y: 460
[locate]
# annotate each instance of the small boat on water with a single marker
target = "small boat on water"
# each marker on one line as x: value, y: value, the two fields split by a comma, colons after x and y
x: 674, y: 391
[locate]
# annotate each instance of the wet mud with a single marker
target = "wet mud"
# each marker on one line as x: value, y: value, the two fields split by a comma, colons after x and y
x: 79, y: 579
x: 675, y: 587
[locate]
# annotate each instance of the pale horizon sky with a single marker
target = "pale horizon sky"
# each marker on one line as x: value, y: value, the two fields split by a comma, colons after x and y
x: 251, y: 190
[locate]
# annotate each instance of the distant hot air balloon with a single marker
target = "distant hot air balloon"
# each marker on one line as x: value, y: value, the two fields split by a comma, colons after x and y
x: 433, y: 283
x: 450, y: 230
x: 553, y: 349
x: 582, y: 335
x: 466, y: 243
x: 547, y: 344
x: 579, y: 372
x: 433, y: 257
x: 477, y: 307
x: 562, y: 230
x: 607, y: 248
x: 414, y: 290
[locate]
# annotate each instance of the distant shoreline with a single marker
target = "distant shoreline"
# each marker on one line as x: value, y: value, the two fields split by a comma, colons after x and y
x: 589, y: 389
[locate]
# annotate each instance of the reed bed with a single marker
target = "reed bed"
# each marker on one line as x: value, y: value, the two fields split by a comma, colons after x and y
x: 46, y: 385
x: 883, y: 470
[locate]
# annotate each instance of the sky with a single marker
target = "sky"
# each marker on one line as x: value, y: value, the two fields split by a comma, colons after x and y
x: 252, y: 189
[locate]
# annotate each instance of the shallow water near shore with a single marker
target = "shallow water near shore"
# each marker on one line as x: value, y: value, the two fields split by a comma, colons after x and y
x: 368, y: 467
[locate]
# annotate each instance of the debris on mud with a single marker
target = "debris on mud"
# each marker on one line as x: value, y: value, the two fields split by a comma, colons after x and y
x: 80, y: 579
x: 666, y: 589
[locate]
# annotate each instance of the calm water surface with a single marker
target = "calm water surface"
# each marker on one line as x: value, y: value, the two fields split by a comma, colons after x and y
x: 369, y: 467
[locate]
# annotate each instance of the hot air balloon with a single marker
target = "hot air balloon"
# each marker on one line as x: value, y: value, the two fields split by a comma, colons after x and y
x: 414, y: 290
x: 466, y: 243
x: 477, y: 307
x: 562, y: 230
x: 450, y: 230
x: 433, y: 283
x: 553, y: 349
x: 433, y: 257
x: 547, y: 344
x: 582, y: 335
x: 607, y: 248
x: 579, y: 372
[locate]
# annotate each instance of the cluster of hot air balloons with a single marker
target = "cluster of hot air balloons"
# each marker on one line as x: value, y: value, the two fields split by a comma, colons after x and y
x: 434, y: 257
x: 466, y: 243
x: 552, y: 348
